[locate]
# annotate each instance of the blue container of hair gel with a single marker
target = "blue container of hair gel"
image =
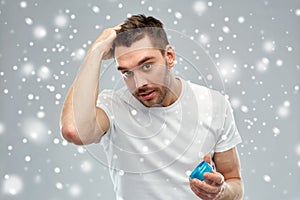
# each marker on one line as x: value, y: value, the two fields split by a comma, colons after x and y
x: 200, y: 170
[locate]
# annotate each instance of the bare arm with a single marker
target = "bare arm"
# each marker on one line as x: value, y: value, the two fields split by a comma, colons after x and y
x: 228, y: 164
x: 82, y: 122
x: 226, y: 183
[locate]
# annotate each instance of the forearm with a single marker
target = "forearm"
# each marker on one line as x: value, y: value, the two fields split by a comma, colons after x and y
x: 233, y: 190
x: 84, y: 95
x: 81, y: 119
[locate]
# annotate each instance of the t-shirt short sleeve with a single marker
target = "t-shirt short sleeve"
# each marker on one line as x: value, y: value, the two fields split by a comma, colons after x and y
x: 229, y: 136
x: 105, y: 102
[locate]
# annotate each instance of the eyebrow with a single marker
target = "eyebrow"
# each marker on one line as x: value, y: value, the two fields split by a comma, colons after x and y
x: 145, y: 59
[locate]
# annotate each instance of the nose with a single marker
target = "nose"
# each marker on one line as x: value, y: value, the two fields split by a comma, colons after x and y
x: 139, y: 79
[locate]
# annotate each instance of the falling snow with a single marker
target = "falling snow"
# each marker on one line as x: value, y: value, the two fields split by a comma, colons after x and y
x: 2, y: 128
x: 12, y: 185
x: 199, y: 7
x: 267, y: 178
x: 39, y: 32
x: 75, y: 190
x: 250, y: 55
x: 61, y: 20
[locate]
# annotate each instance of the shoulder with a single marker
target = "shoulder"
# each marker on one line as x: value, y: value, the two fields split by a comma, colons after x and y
x: 211, y: 95
x: 212, y: 100
x: 108, y: 98
x: 110, y: 94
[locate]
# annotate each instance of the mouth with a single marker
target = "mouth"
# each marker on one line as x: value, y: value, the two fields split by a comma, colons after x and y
x: 147, y: 95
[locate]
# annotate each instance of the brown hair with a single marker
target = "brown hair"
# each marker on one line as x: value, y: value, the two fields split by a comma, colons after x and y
x: 137, y: 27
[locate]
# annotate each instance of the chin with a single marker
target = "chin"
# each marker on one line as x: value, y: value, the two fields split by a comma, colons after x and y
x: 150, y: 103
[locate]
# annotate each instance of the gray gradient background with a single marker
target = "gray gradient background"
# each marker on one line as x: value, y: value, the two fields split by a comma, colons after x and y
x: 263, y: 50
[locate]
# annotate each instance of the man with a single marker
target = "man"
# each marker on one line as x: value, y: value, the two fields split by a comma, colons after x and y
x: 159, y: 127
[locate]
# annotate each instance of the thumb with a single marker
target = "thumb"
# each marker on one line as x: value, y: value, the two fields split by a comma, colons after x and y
x: 207, y: 158
x: 118, y: 27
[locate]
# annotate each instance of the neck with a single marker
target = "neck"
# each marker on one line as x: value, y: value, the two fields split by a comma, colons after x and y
x: 173, y: 92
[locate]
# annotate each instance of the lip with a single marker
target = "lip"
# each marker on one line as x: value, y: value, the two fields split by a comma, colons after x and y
x: 147, y: 95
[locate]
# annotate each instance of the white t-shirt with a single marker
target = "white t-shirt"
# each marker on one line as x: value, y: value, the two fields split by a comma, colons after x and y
x: 151, y: 151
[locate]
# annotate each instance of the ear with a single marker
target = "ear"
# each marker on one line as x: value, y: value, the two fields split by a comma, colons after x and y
x: 170, y: 56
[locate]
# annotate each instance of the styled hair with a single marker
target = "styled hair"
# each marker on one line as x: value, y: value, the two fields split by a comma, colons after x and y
x: 137, y: 27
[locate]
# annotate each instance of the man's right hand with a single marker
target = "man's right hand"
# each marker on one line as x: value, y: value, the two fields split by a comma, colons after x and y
x: 82, y: 122
x: 104, y: 42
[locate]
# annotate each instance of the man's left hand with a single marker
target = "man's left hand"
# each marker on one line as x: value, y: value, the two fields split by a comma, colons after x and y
x: 212, y: 187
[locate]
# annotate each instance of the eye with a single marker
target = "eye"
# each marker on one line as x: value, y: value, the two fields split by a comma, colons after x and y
x: 127, y: 73
x: 147, y: 67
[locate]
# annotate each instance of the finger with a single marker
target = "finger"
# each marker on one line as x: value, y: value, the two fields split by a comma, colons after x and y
x: 118, y: 27
x: 200, y: 193
x: 201, y: 185
x: 207, y: 158
x: 214, y: 177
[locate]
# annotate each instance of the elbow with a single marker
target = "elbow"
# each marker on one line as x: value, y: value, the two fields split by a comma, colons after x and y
x: 242, y: 190
x: 239, y: 190
x: 70, y: 134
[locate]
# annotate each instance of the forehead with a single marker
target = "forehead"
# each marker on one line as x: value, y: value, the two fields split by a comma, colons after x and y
x: 143, y: 43
x: 137, y: 51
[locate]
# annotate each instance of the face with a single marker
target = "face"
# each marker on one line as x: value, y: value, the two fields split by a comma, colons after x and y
x: 146, y: 72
